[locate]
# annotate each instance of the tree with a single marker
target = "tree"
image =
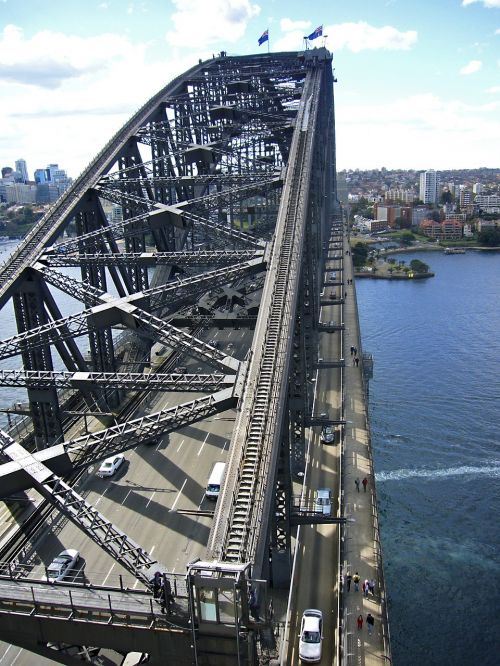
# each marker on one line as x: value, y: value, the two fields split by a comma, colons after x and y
x: 359, y: 254
x: 489, y: 237
x: 418, y: 266
x: 407, y: 238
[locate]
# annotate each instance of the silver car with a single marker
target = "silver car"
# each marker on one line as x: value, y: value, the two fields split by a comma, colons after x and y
x: 311, y: 636
x: 63, y: 565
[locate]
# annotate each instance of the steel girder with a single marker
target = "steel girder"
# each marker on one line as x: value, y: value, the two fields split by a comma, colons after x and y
x: 127, y: 381
x: 182, y: 259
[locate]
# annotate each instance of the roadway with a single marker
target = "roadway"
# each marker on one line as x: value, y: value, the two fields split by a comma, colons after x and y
x: 157, y: 497
x: 317, y: 558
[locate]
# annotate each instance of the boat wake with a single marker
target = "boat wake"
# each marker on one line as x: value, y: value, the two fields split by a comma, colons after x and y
x: 465, y: 470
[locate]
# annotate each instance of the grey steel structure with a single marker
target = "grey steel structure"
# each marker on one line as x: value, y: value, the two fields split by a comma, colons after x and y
x: 227, y: 173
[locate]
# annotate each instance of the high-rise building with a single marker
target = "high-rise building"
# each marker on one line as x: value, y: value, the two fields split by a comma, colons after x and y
x: 477, y: 188
x: 429, y: 187
x: 22, y: 169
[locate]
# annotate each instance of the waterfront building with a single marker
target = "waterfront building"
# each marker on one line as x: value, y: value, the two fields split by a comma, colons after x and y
x: 22, y: 169
x: 481, y: 224
x: 466, y: 198
x: 488, y: 203
x: 429, y: 187
x: 20, y: 193
x: 444, y: 230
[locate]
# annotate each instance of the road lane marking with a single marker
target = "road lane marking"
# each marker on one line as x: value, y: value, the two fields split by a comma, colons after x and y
x: 126, y: 496
x: 180, y: 446
x: 109, y: 573
x: 204, y: 442
x: 178, y: 495
x: 150, y: 499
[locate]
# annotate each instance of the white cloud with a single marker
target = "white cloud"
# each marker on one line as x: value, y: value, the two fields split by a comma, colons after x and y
x: 497, y: 31
x: 361, y: 36
x: 493, y: 90
x: 291, y: 41
x: 199, y: 23
x: 487, y: 3
x: 287, y: 24
x: 81, y: 99
x: 471, y: 67
x: 49, y: 58
x: 414, y: 132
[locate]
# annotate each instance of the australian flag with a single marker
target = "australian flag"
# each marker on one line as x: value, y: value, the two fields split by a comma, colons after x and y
x: 317, y: 33
x: 264, y: 37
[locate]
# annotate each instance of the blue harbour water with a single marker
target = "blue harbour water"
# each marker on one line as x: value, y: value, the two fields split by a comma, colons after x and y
x: 435, y: 420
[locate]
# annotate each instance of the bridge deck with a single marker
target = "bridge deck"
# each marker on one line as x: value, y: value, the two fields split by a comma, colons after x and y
x: 362, y: 545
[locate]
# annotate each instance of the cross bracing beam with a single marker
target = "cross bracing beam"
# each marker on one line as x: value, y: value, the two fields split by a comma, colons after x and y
x: 94, y: 447
x: 115, y: 542
x: 133, y: 381
x: 112, y: 314
x: 170, y: 295
x: 182, y: 259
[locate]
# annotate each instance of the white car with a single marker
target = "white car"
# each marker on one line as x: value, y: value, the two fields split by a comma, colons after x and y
x: 323, y: 501
x: 327, y: 434
x: 110, y: 465
x: 311, y: 635
x: 63, y: 565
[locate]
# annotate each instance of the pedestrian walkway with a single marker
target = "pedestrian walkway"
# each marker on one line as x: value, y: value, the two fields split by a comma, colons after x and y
x: 362, y: 546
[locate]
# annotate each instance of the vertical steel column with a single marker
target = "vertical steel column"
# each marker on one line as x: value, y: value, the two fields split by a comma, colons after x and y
x: 30, y: 312
x: 90, y: 217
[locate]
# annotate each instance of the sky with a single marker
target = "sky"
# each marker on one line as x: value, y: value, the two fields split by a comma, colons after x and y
x: 418, y: 83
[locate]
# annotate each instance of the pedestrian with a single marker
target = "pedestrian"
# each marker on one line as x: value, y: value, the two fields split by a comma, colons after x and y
x: 365, y: 483
x: 356, y: 481
x: 371, y: 586
x: 345, y: 294
x: 156, y: 583
x: 360, y: 622
x: 366, y: 588
x: 356, y: 361
x: 370, y: 621
x: 348, y: 580
x: 253, y: 604
x: 352, y: 350
x: 355, y: 580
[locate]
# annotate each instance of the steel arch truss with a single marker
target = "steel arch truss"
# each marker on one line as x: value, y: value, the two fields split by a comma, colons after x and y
x: 214, y: 174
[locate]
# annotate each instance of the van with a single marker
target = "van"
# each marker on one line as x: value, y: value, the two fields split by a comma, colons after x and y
x: 215, y: 481
x: 323, y: 501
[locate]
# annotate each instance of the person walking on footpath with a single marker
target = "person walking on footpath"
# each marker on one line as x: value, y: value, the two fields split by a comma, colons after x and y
x: 366, y: 588
x: 371, y: 586
x: 360, y: 622
x: 370, y: 621
x: 356, y: 481
x: 348, y: 580
x: 352, y: 350
x: 365, y: 483
x: 355, y: 580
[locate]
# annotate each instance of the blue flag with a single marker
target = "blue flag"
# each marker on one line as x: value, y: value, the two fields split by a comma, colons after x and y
x: 264, y: 37
x: 317, y: 33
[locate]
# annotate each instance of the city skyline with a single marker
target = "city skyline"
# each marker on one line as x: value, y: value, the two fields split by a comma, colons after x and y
x: 412, y: 92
